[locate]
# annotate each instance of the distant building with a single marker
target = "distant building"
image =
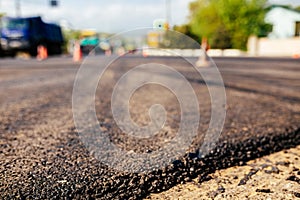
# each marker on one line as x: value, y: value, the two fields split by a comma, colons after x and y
x: 285, y: 21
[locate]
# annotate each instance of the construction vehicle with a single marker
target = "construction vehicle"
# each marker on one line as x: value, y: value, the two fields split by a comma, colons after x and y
x: 89, y: 41
x: 26, y: 34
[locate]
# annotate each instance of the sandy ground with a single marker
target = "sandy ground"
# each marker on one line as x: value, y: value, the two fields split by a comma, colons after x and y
x: 276, y: 176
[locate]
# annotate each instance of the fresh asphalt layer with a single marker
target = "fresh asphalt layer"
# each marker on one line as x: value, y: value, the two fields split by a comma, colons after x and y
x: 42, y: 156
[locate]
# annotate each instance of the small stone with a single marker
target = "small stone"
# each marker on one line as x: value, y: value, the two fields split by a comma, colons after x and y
x: 293, y: 178
x: 221, y: 189
x: 148, y: 151
x: 62, y: 181
x: 264, y: 190
x: 283, y: 163
x: 297, y: 194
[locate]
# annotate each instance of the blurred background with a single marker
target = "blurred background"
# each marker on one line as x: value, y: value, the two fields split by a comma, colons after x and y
x: 230, y: 27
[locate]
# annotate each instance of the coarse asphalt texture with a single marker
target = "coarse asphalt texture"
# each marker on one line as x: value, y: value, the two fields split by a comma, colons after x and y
x: 42, y: 156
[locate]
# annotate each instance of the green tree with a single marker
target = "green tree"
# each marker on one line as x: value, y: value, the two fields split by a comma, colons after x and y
x: 69, y: 36
x: 228, y: 23
x: 1, y: 15
x: 186, y: 29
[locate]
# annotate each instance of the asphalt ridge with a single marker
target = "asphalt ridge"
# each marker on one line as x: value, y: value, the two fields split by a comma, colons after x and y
x: 275, y: 176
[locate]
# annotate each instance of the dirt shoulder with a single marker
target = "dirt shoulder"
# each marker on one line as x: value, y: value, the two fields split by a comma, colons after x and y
x: 276, y: 176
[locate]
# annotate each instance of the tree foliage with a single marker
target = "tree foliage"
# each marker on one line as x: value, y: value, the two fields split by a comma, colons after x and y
x: 177, y: 40
x: 228, y: 23
x: 1, y: 15
x: 186, y: 29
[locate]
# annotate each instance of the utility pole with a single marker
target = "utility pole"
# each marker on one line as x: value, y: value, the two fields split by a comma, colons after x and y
x: 18, y: 8
x: 168, y: 11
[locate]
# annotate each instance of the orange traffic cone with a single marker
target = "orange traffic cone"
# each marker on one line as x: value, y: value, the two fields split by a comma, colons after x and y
x: 42, y: 52
x: 108, y: 52
x: 203, y: 60
x: 296, y: 56
x: 145, y: 52
x: 77, y: 54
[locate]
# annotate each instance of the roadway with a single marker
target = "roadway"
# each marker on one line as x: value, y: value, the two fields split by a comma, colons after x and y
x: 42, y: 156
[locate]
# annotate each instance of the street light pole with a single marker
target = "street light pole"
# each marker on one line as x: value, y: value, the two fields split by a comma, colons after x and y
x: 168, y: 11
x: 18, y: 8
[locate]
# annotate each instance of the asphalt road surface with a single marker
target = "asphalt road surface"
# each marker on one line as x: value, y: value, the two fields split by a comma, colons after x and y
x: 42, y: 156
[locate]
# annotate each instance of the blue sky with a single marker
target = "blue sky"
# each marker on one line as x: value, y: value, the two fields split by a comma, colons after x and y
x: 107, y: 15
